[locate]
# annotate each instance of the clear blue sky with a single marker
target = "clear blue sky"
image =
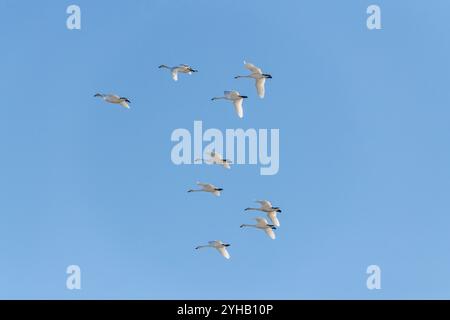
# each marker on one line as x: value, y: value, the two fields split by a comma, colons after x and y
x: 364, y: 149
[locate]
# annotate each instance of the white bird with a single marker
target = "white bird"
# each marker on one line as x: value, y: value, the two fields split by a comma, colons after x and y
x: 183, y: 68
x: 237, y: 99
x: 217, y: 158
x: 207, y: 187
x: 263, y: 225
x: 271, y: 211
x: 258, y: 75
x: 112, y: 98
x: 219, y: 245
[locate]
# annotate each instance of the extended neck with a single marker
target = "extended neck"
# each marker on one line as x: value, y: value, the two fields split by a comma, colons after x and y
x: 254, y: 209
x: 207, y: 246
x: 248, y: 225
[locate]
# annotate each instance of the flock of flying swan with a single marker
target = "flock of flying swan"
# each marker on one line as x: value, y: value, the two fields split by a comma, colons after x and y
x: 216, y: 158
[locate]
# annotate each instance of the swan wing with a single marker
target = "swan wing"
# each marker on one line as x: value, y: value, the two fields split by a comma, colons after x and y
x: 203, y: 184
x: 223, y: 251
x: 273, y: 217
x: 238, y: 107
x: 260, y: 87
x: 270, y: 233
x: 252, y: 67
x: 265, y: 204
x: 228, y: 94
x: 261, y: 222
x: 112, y: 98
x: 174, y: 73
x: 234, y: 94
x: 216, y: 156
x: 210, y: 187
x: 124, y: 104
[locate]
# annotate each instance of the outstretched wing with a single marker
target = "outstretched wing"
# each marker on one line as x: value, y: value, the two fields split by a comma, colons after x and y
x: 203, y: 184
x: 175, y: 74
x: 270, y: 233
x: 265, y: 204
x: 223, y: 251
x: 228, y: 94
x: 252, y: 67
x: 125, y: 104
x: 261, y: 222
x: 216, y: 156
x: 273, y: 217
x: 260, y: 87
x: 112, y: 97
x: 238, y: 107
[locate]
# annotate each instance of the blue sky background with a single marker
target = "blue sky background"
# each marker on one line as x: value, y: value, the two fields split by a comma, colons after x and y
x: 364, y: 149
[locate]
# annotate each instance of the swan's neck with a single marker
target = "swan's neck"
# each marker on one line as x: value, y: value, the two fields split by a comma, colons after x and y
x: 207, y: 246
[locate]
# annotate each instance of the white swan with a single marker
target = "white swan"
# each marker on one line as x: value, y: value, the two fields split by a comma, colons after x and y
x: 263, y: 225
x: 207, y: 187
x: 217, y: 158
x: 237, y: 99
x: 112, y: 98
x: 258, y: 75
x: 219, y: 245
x: 271, y: 211
x: 183, y: 68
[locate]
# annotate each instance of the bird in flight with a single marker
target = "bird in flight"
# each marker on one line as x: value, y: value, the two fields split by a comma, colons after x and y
x: 259, y: 77
x: 207, y: 187
x: 183, y: 68
x: 219, y: 245
x: 236, y: 98
x: 113, y: 98
x: 217, y: 158
x: 262, y: 225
